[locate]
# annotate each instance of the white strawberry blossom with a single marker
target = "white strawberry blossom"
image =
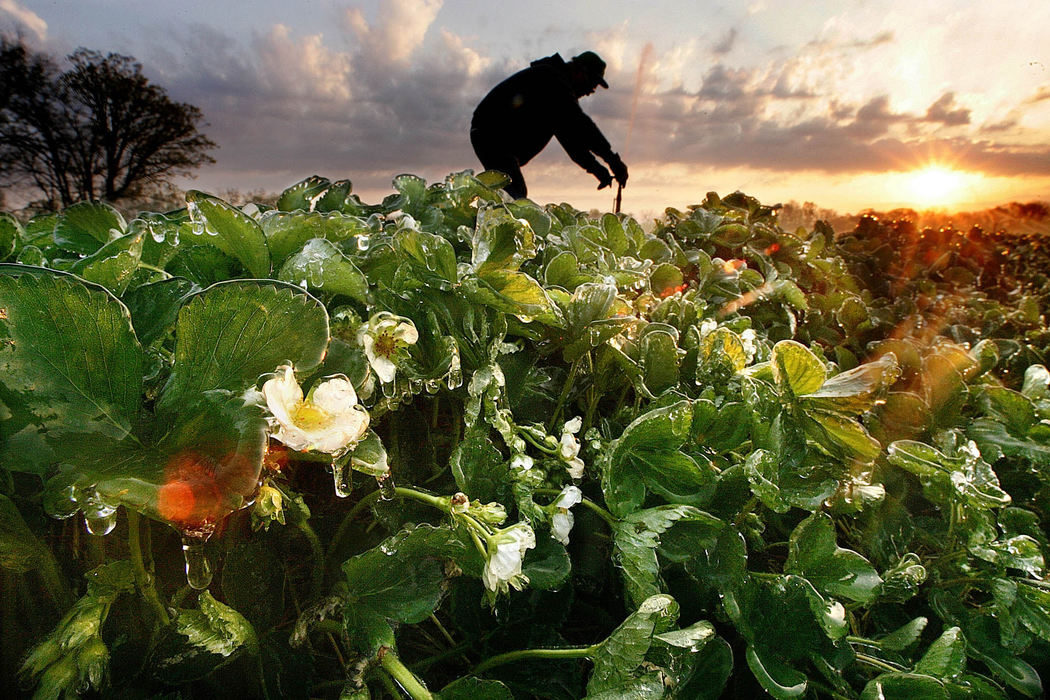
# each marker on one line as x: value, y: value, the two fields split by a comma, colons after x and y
x: 562, y: 519
x: 328, y: 420
x: 506, y: 550
x: 383, y: 337
x: 569, y: 448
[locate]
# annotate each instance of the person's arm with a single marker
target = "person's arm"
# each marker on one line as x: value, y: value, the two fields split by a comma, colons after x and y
x: 582, y: 140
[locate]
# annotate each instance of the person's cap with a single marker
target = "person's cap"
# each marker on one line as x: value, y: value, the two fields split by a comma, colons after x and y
x: 594, y: 65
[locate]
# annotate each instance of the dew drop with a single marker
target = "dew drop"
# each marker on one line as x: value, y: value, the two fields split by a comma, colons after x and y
x: 387, y: 489
x: 342, y: 476
x: 198, y: 568
x: 100, y: 522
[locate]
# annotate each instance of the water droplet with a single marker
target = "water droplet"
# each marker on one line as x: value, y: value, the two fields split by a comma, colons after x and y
x: 198, y: 568
x: 362, y: 242
x: 157, y: 233
x: 342, y: 476
x: 432, y: 386
x: 100, y: 522
x: 387, y: 489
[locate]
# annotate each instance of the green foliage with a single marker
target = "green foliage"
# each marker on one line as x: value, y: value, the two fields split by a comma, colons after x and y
x: 506, y: 450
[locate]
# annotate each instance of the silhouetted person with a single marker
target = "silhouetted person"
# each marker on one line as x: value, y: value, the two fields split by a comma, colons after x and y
x: 519, y: 116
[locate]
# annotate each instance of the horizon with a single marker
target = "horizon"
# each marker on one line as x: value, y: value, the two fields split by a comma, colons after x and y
x: 850, y: 105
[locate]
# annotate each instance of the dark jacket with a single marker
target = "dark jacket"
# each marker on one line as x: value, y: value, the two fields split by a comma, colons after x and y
x: 524, y: 111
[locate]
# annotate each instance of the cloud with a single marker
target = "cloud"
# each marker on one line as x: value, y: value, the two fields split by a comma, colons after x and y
x: 304, y: 68
x: 398, y: 31
x: 24, y: 17
x: 725, y: 44
x: 946, y: 112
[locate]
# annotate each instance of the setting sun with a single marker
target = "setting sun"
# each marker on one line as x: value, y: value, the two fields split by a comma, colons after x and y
x: 936, y: 185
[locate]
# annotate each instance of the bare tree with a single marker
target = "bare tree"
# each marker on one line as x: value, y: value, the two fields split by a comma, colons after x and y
x: 98, y: 130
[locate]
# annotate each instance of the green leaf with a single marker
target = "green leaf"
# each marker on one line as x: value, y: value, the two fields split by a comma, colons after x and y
x: 113, y: 264
x: 155, y: 306
x: 624, y: 650
x: 368, y: 630
x: 721, y: 428
x: 666, y: 279
x: 500, y: 242
x: 904, y: 636
x: 432, y: 257
x: 20, y: 550
x: 86, y: 226
x: 796, y: 369
x: 302, y: 194
x: 253, y: 582
x: 1032, y: 608
x: 230, y: 230
x: 321, y: 266
x: 547, y: 565
x: 814, y: 554
x: 648, y: 450
x: 402, y: 578
x: 967, y: 474
x: 945, y: 657
x: 287, y: 232
x: 474, y: 688
x: 369, y: 456
x: 856, y: 390
x: 723, y: 344
x: 711, y: 670
x: 777, y: 678
x: 637, y: 538
x: 658, y: 355
x: 904, y: 686
x: 478, y: 467
x: 69, y: 359
x: 202, y: 641
x: 514, y: 293
x: 692, y: 638
x: 11, y: 233
x: 233, y: 332
x: 833, y: 430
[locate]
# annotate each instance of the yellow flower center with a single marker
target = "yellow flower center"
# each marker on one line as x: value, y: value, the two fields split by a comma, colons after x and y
x: 309, y: 417
x: 385, y: 344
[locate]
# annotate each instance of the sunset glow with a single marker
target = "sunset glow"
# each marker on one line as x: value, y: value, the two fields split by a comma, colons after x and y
x: 936, y: 186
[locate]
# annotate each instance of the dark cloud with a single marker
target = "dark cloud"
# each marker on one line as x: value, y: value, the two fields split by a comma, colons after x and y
x: 946, y: 112
x: 726, y: 43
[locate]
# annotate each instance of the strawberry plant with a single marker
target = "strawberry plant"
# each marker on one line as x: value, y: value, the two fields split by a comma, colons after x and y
x: 452, y: 445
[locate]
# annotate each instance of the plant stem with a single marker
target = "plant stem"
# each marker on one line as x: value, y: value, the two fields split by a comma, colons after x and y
x: 143, y: 580
x: 877, y: 663
x: 569, y: 381
x: 608, y: 517
x: 404, y: 678
x: 317, y: 575
x: 438, y: 502
x: 565, y: 653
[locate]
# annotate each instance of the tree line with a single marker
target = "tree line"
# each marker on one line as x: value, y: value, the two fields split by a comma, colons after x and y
x: 97, y: 130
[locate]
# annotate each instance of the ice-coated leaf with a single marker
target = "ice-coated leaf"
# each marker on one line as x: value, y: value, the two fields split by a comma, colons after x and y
x: 233, y: 332
x: 287, y: 232
x: 514, y: 293
x: 814, y: 553
x: 202, y: 641
x: 777, y: 678
x: 113, y: 264
x: 155, y: 306
x: 1036, y: 382
x: 637, y: 537
x: 369, y: 456
x: 302, y: 194
x: 479, y: 468
x: 625, y: 649
x: 11, y: 233
x: 1032, y: 608
x: 69, y: 360
x: 967, y: 474
x: 724, y: 344
x: 945, y: 657
x: 693, y: 637
x: 856, y: 390
x: 658, y: 356
x: 796, y: 368
x: 474, y: 688
x: 904, y: 686
x: 501, y: 242
x: 905, y: 635
x: 647, y: 449
x: 230, y: 230
x: 432, y: 256
x: 402, y: 577
x: 321, y: 267
x: 837, y: 433
x: 85, y: 226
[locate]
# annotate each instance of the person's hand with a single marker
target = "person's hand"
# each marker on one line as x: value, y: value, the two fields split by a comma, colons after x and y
x: 604, y: 179
x: 619, y: 170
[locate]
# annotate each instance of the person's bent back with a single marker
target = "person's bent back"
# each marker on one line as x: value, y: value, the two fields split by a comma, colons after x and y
x: 517, y: 119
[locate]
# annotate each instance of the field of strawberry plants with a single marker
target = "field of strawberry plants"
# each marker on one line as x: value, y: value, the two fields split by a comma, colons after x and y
x: 453, y: 446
